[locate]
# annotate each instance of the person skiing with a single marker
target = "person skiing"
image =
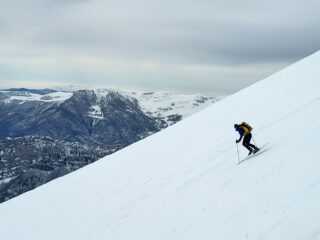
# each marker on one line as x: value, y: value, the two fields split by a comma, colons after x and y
x: 244, y: 130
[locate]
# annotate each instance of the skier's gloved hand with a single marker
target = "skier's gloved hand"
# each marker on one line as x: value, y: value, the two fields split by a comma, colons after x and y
x: 237, y: 141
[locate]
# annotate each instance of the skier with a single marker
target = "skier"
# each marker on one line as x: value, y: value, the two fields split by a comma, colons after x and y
x: 244, y: 130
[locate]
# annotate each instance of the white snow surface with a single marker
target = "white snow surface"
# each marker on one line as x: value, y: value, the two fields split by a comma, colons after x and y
x: 51, y: 97
x: 185, y: 182
x: 164, y: 104
x: 95, y: 112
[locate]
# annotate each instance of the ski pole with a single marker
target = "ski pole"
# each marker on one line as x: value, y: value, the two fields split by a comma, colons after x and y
x: 238, y: 153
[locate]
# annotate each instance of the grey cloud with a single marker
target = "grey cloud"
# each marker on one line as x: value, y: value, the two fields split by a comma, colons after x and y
x: 169, y: 35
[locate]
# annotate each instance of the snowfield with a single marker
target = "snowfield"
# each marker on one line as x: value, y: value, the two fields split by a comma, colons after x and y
x: 185, y: 182
x: 166, y: 104
x: 51, y: 97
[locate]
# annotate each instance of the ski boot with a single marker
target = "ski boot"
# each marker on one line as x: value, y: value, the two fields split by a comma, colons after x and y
x: 256, y: 150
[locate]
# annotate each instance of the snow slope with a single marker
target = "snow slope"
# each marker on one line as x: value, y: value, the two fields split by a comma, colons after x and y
x: 50, y: 97
x: 184, y: 182
x: 165, y: 104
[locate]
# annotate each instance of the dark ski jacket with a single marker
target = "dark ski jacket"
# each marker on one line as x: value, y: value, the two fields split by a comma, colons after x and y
x: 240, y: 130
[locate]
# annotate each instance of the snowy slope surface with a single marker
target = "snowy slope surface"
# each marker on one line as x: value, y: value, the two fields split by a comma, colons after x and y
x: 50, y: 97
x: 184, y: 182
x: 164, y: 104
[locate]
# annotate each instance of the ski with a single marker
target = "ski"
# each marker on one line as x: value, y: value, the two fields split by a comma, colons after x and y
x: 262, y: 149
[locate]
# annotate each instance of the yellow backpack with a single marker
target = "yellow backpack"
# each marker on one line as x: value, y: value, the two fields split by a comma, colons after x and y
x: 246, y: 127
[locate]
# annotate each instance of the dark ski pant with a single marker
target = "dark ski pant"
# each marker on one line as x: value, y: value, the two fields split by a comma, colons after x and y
x: 246, y: 142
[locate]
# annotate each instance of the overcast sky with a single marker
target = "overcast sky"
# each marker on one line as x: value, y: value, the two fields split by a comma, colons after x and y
x: 204, y: 46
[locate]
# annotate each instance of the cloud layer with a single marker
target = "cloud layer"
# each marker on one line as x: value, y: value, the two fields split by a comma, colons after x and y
x: 214, y: 46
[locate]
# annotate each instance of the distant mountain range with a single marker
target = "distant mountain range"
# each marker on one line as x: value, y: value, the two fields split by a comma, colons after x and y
x: 83, y: 116
x: 29, y: 90
x: 90, y: 123
x: 93, y: 116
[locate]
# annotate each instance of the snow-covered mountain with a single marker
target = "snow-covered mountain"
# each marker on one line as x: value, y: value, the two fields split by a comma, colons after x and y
x: 22, y: 95
x: 172, y: 107
x: 73, y: 117
x: 185, y: 181
x: 168, y: 107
